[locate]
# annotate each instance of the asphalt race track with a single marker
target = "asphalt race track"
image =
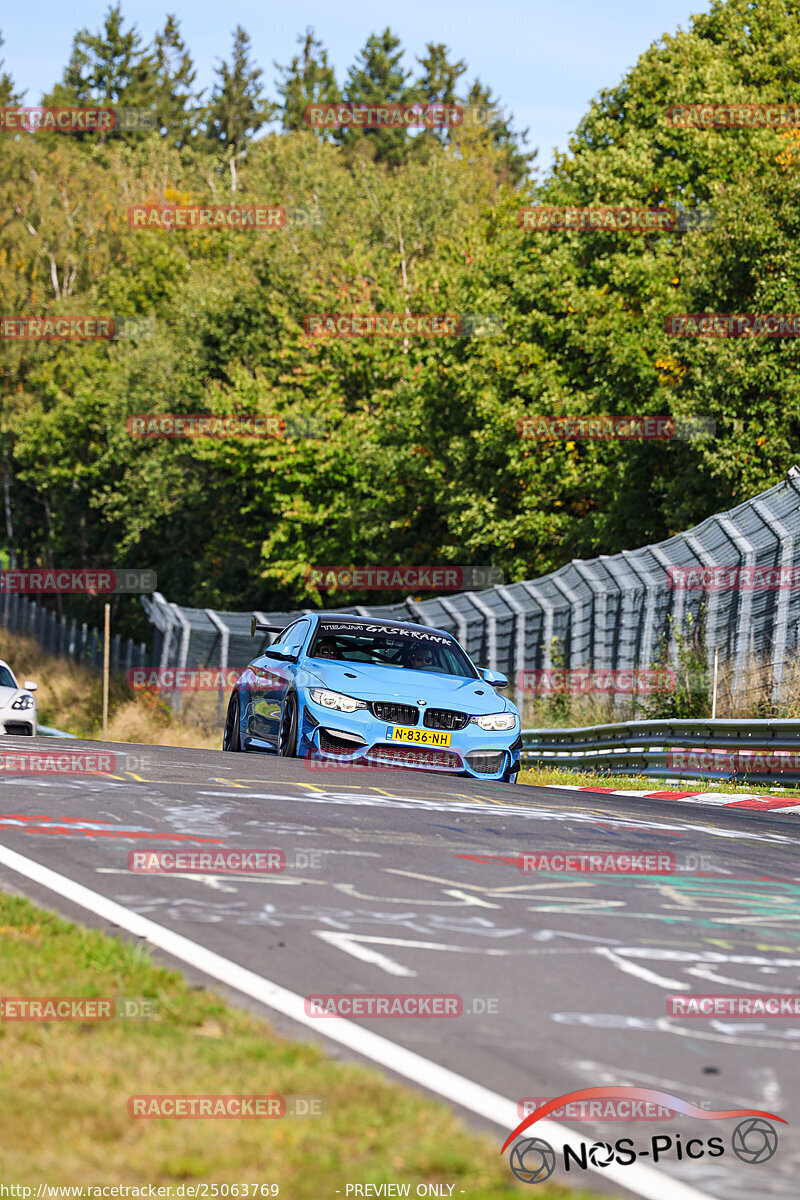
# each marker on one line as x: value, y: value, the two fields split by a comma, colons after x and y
x: 397, y: 882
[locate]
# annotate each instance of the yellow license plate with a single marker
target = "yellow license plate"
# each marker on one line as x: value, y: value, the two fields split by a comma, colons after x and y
x: 420, y: 737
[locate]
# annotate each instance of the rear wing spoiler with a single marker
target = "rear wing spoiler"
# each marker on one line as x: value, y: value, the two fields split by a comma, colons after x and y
x: 256, y: 625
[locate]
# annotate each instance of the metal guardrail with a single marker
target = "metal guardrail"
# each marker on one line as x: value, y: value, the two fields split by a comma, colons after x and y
x: 723, y: 750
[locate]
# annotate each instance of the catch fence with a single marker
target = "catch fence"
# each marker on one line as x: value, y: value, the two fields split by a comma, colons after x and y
x: 65, y: 638
x: 617, y: 611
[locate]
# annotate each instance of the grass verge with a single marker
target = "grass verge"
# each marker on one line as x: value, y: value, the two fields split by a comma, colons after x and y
x: 65, y: 1087
x: 559, y: 777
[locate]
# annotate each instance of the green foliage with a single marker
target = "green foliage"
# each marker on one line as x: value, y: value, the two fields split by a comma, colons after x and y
x: 421, y: 461
x: 109, y: 67
x: 309, y: 79
x: 237, y: 109
x: 690, y: 698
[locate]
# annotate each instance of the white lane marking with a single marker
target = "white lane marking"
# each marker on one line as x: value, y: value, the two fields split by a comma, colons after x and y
x: 471, y: 900
x: 350, y: 943
x: 643, y: 1181
x: 643, y: 973
x: 529, y: 812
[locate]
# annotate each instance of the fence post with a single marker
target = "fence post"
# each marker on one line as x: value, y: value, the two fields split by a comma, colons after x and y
x: 225, y: 639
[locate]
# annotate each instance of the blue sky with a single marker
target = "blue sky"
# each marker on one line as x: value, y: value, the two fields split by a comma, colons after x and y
x: 545, y: 60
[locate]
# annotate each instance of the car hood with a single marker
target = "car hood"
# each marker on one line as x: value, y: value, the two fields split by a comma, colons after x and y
x: 404, y: 686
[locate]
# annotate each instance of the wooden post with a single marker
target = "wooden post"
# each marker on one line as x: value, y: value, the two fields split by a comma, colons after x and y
x: 714, y: 697
x: 106, y: 667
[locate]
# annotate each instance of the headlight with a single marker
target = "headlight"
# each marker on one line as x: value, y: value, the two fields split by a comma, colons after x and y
x: 335, y: 700
x: 496, y: 721
x: 23, y: 702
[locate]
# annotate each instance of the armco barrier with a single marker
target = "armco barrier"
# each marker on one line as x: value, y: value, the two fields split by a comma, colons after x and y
x: 753, y: 750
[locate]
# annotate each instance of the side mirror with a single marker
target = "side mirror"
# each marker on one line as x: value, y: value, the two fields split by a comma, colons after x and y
x: 496, y: 678
x: 278, y: 650
x: 30, y: 686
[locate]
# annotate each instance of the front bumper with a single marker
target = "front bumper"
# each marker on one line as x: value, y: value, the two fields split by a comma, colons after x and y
x: 359, y: 739
x: 12, y: 725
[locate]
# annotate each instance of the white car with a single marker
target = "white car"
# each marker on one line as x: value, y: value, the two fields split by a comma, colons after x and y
x: 17, y: 706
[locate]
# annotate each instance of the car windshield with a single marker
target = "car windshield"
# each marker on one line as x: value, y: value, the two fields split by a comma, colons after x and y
x: 6, y: 678
x: 391, y: 646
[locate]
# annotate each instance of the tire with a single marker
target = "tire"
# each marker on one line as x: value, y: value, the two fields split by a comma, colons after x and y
x: 232, y: 735
x: 287, y: 730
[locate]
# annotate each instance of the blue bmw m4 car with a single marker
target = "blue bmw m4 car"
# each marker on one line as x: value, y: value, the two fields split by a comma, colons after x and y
x: 374, y: 692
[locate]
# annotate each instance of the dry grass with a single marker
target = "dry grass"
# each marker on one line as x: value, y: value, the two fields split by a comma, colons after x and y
x: 754, y: 699
x: 561, y: 777
x: 70, y: 697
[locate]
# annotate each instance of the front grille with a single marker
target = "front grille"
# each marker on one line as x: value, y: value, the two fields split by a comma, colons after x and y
x: 442, y: 718
x: 395, y: 714
x: 486, y: 762
x: 414, y: 756
x: 19, y: 728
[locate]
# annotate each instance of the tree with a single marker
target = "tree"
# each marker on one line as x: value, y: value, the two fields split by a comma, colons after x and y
x: 109, y: 67
x: 483, y: 110
x: 238, y: 108
x: 175, y: 100
x: 7, y: 94
x: 378, y: 78
x: 437, y: 82
x: 309, y: 79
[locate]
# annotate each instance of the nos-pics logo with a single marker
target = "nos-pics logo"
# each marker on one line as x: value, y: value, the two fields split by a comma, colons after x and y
x: 533, y: 1159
